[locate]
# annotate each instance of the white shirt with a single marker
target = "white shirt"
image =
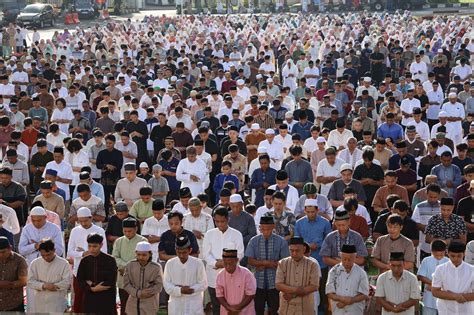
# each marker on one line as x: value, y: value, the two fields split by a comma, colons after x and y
x: 188, y: 123
x: 31, y: 235
x: 267, y: 67
x: 203, y: 223
x: 78, y: 238
x: 192, y: 274
x: 423, y: 218
x: 325, y: 169
x: 132, y: 148
x: 361, y: 211
x: 455, y: 110
x: 214, y: 242
x: 65, y: 114
x: 10, y: 220
x: 461, y: 71
x: 197, y: 168
x: 152, y: 226
x: 337, y: 139
x: 292, y: 197
x: 274, y: 150
x: 434, y: 96
x: 225, y: 111
x: 422, y: 129
x: 260, y: 213
x: 286, y: 142
x: 310, y: 145
x: 347, y: 157
x: 79, y: 159
x: 180, y: 208
x: 311, y: 71
x: 455, y: 279
x: 20, y: 77
x: 64, y: 170
x: 407, y: 106
x: 449, y: 130
x: 56, y: 272
x: 56, y: 140
x: 421, y: 67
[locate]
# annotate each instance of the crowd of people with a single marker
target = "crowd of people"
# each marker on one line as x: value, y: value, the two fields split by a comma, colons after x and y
x: 239, y: 164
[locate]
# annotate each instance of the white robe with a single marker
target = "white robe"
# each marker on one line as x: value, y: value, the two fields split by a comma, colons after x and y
x: 152, y: 226
x: 184, y: 171
x: 56, y: 272
x: 193, y: 274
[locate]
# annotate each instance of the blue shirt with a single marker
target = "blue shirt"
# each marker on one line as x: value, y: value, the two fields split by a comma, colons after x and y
x: 168, y: 242
x: 219, y: 183
x: 171, y: 166
x: 314, y: 232
x: 427, y: 268
x: 394, y: 162
x: 394, y: 131
x: 257, y: 180
x: 302, y: 130
x: 9, y: 235
x: 275, y: 248
x: 451, y: 173
x: 96, y: 190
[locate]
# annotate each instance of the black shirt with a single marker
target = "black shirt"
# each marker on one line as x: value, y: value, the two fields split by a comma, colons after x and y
x: 168, y: 242
x: 114, y: 158
x: 465, y: 209
x: 462, y: 163
x: 158, y: 135
x: 409, y: 229
x: 225, y: 147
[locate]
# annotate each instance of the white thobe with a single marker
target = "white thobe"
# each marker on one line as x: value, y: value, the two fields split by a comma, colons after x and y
x: 197, y: 168
x: 455, y: 279
x: 180, y: 208
x: 214, y: 242
x: 422, y: 129
x: 351, y: 158
x: 407, y: 106
x: 56, y: 272
x: 202, y: 223
x: 274, y: 151
x: 419, y: 71
x: 64, y: 170
x: 455, y: 110
x: 326, y: 170
x: 337, y: 139
x: 155, y: 227
x: 192, y: 274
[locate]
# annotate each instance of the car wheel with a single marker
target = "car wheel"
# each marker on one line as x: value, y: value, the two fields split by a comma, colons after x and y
x: 41, y: 24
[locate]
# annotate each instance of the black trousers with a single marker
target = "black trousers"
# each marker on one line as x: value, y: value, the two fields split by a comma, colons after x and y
x: 268, y: 297
x: 123, y: 300
x: 322, y: 289
x: 108, y: 191
x: 216, y: 306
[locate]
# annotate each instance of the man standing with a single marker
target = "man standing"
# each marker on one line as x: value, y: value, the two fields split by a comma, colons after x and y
x: 50, y: 277
x: 185, y: 280
x: 215, y: 241
x: 192, y: 172
x: 143, y: 281
x: 263, y: 252
x: 296, y: 292
x: 13, y: 194
x: 128, y: 188
x: 235, y: 286
x: 155, y: 226
x: 240, y: 219
x: 197, y: 221
x: 347, y: 286
x: 124, y: 252
x: 453, y: 281
x: 63, y: 169
x: 97, y: 275
x: 77, y: 249
x: 14, y: 270
x: 397, y: 289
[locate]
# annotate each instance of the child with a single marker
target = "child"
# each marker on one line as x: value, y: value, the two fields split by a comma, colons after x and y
x: 223, y: 177
x: 158, y: 184
x: 204, y: 198
x: 141, y: 209
x: 144, y: 171
x: 425, y: 274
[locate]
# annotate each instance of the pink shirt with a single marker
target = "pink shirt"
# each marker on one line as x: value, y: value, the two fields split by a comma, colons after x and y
x: 233, y: 287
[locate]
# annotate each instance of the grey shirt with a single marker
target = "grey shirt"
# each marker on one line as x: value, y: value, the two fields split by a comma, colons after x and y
x: 338, y: 186
x: 299, y: 171
x: 333, y: 242
x: 159, y: 185
x: 93, y: 152
x: 324, y: 205
x: 245, y: 224
x: 20, y: 171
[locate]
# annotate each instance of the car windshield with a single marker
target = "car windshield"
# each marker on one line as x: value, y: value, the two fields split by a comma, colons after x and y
x: 32, y: 9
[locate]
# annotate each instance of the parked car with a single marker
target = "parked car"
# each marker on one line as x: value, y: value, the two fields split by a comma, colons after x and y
x: 87, y: 9
x: 37, y: 14
x: 10, y: 10
x: 380, y: 5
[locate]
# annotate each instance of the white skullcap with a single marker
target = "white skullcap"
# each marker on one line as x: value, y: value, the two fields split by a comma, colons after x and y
x: 240, y: 82
x: 127, y: 89
x: 269, y: 80
x: 262, y: 150
x: 442, y: 114
x: 143, y: 247
x: 310, y: 203
x: 38, y: 211
x: 236, y: 198
x: 440, y: 51
x: 345, y: 167
x: 258, y: 76
x: 321, y: 140
x: 452, y: 94
x: 143, y: 164
x: 84, y: 212
x: 262, y: 93
x: 367, y: 79
x: 255, y: 127
x: 174, y: 78
x: 269, y: 131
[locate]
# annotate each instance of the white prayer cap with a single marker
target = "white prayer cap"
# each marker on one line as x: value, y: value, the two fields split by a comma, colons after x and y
x: 127, y: 90
x: 452, y: 94
x: 236, y: 198
x: 262, y: 93
x: 84, y: 212
x: 240, y: 82
x: 258, y: 76
x: 255, y: 127
x: 38, y: 211
x: 321, y: 140
x: 442, y: 114
x: 269, y: 131
x: 289, y: 114
x: 310, y: 203
x: 367, y: 79
x: 440, y: 51
x: 143, y: 247
x: 143, y: 165
x: 261, y: 150
x: 174, y: 78
x: 269, y: 80
x: 345, y: 167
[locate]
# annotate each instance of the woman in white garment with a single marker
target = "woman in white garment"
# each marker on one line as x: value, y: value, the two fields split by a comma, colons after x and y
x: 62, y: 115
x: 290, y: 73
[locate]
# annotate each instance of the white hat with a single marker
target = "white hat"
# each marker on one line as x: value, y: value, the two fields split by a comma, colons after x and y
x: 321, y: 140
x: 289, y: 115
x: 174, y: 78
x: 205, y: 68
x: 143, y: 247
x: 345, y: 167
x: 38, y: 211
x: 440, y: 51
x: 261, y: 150
x: 442, y: 114
x: 262, y: 93
x: 240, y: 82
x: 236, y: 198
x: 452, y: 94
x: 367, y: 79
x: 127, y: 90
x: 84, y: 212
x: 269, y: 131
x: 269, y: 80
x: 143, y: 165
x: 310, y: 203
x: 255, y: 127
x: 258, y: 76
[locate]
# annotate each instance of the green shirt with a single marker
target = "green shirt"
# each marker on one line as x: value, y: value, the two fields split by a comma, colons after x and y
x: 123, y: 252
x: 142, y: 210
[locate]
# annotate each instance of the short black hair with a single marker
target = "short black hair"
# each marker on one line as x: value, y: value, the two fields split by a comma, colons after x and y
x: 95, y: 238
x: 83, y: 187
x: 279, y: 195
x: 46, y: 244
x: 222, y: 211
x: 395, y: 219
x: 175, y: 214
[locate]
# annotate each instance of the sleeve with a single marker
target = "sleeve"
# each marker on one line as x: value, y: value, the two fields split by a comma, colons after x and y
x: 360, y: 246
x: 220, y: 284
x: 423, y: 270
x: 71, y: 248
x: 378, y: 202
x: 332, y: 192
x: 170, y: 288
x: 116, y: 254
x: 331, y: 283
x: 363, y: 284
x: 416, y: 215
x: 201, y: 284
x: 280, y: 272
x: 429, y: 230
x: 25, y: 248
x: 33, y: 281
x: 457, y: 176
x: 415, y: 292
x: 181, y: 174
x: 250, y: 251
x: 58, y: 240
x: 437, y: 281
x: 65, y: 281
x: 410, y: 253
x: 250, y: 283
x: 297, y: 229
x: 117, y: 194
x: 240, y: 246
x: 325, y: 248
x: 207, y: 250
x: 194, y: 243
x: 380, y: 286
x: 284, y: 249
x: 376, y: 251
